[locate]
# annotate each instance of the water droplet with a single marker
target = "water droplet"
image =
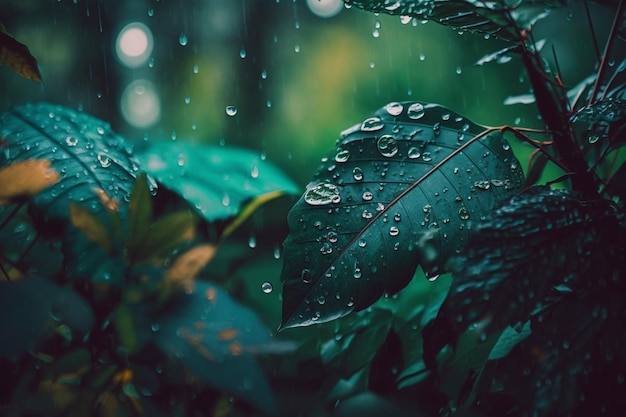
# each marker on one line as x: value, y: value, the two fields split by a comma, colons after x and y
x: 506, y: 146
x: 397, y: 217
x: 242, y: 53
x: 432, y: 276
x: 104, y: 160
x: 593, y: 138
x: 155, y: 327
x: 405, y: 19
x: 445, y: 116
x: 426, y: 157
x: 326, y: 249
x: 367, y: 196
x: 357, y: 173
x: 226, y: 200
x: 71, y: 141
x: 342, y: 155
x: 437, y: 129
x: 332, y: 237
x: 321, y: 300
x: 367, y: 214
x: 459, y: 70
x: 254, y: 173
x: 277, y: 252
x: 322, y: 194
x: 196, y: 69
x: 372, y: 124
x: 267, y: 287
x: 252, y: 241
x: 296, y: 48
x: 394, y: 231
x: 415, y: 111
x: 387, y: 146
x: 231, y: 110
x: 464, y: 213
x: 414, y: 153
x: 362, y: 243
x: 100, y: 130
x: 422, y: 56
x: 183, y: 40
x: 264, y: 75
x: 394, y: 108
x: 357, y: 273
x: 306, y: 276
x: 187, y: 99
x: 482, y: 185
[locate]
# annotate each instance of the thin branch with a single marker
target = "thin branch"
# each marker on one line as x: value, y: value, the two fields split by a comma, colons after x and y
x: 596, y: 48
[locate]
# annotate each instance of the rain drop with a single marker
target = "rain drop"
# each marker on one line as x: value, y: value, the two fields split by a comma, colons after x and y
x: 367, y: 214
x: 357, y: 273
x: 405, y: 19
x: 367, y: 196
x: 394, y: 231
x: 342, y: 155
x: 414, y: 153
x: 459, y: 70
x: 357, y: 173
x: 463, y: 213
x: 482, y: 185
x: 322, y: 194
x: 426, y: 157
x: 71, y: 141
x: 415, y: 111
x: 593, y: 138
x: 242, y: 53
x: 100, y: 130
x: 362, y: 243
x: 231, y: 110
x: 394, y: 108
x: 266, y: 287
x: 252, y: 241
x: 306, y: 276
x: 506, y: 146
x: 387, y: 146
x: 372, y: 124
x: 104, y: 160
x: 183, y: 40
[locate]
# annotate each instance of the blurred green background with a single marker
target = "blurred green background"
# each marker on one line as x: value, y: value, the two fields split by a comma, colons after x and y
x: 296, y: 78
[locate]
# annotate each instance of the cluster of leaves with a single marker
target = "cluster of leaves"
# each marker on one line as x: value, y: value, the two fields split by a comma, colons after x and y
x: 533, y: 322
x: 100, y: 305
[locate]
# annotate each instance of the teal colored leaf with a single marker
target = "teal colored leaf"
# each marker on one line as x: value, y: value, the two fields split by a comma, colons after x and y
x: 84, y: 150
x: 216, y: 181
x: 404, y: 188
x: 31, y: 306
x: 216, y: 339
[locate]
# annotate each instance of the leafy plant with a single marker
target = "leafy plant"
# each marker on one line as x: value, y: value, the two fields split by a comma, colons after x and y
x: 101, y: 298
x: 534, y: 318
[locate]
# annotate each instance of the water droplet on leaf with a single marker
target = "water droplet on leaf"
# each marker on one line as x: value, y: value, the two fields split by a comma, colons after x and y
x: 267, y: 287
x: 415, y: 111
x: 322, y: 194
x: 394, y: 108
x: 231, y: 110
x: 387, y: 146
x: 372, y: 124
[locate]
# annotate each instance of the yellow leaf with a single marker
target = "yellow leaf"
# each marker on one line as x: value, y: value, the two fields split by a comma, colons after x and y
x: 189, y: 264
x: 25, y: 179
x: 17, y: 57
x: 91, y: 226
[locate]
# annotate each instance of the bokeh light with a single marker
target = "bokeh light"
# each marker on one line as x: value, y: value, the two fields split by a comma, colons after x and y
x: 140, y: 104
x: 325, y: 8
x: 134, y: 45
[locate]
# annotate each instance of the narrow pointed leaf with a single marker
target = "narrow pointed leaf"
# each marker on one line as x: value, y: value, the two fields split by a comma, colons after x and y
x: 216, y: 181
x: 165, y: 234
x: 139, y: 213
x: 16, y: 56
x: 85, y: 152
x: 403, y: 188
x: 91, y: 226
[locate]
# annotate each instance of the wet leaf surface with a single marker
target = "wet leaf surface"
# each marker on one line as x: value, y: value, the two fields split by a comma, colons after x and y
x: 404, y: 187
x: 32, y: 306
x: 217, y: 182
x: 492, y: 18
x: 83, y: 150
x: 16, y: 56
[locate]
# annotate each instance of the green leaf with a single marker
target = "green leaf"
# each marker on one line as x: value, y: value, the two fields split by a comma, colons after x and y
x: 216, y: 181
x: 139, y: 214
x: 91, y: 226
x: 165, y: 234
x: 527, y: 249
x: 492, y: 18
x: 30, y: 306
x: 83, y: 150
x: 400, y: 190
x: 216, y: 340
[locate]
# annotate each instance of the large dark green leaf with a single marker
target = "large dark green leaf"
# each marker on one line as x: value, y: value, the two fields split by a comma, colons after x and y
x: 543, y: 243
x: 404, y: 187
x: 85, y: 152
x: 216, y: 339
x: 216, y: 181
x: 29, y: 305
x: 495, y: 18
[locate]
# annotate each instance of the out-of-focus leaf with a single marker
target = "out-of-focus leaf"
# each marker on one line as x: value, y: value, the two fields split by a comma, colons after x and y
x: 125, y: 328
x: 606, y: 121
x: 139, y: 213
x: 519, y: 99
x: 165, y: 234
x: 537, y: 164
x: 493, y: 18
x: 216, y: 181
x: 216, y: 339
x: 399, y: 191
x: 508, y: 340
x: 91, y: 226
x: 529, y: 246
x: 25, y: 179
x: 16, y: 56
x: 498, y: 56
x: 187, y: 265
x: 28, y: 305
x: 82, y: 149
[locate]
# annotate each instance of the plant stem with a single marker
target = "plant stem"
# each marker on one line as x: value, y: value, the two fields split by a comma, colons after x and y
x: 607, y: 50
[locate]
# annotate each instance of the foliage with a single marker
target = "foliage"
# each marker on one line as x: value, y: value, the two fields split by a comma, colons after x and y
x: 442, y: 277
x: 546, y: 263
x: 121, y: 318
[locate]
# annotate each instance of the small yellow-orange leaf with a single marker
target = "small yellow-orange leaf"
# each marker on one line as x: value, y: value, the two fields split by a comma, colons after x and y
x: 124, y: 376
x: 190, y: 263
x: 109, y: 203
x: 25, y: 179
x: 16, y: 56
x: 235, y: 349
